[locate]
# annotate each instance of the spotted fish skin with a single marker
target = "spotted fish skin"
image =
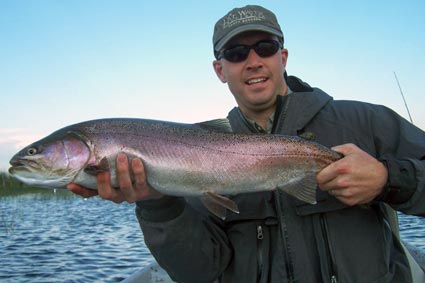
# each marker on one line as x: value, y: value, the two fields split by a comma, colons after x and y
x: 179, y: 159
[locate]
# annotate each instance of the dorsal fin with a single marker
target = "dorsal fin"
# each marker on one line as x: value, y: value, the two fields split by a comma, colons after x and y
x: 216, y: 125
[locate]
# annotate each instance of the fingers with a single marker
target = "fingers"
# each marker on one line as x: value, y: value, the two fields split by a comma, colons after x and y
x: 124, y: 178
x: 342, y: 193
x: 141, y: 186
x: 356, y: 178
x: 346, y: 199
x: 336, y: 175
x: 124, y: 192
x: 106, y: 191
x: 136, y: 189
x: 82, y: 191
x: 129, y: 190
x: 346, y: 149
x: 139, y: 173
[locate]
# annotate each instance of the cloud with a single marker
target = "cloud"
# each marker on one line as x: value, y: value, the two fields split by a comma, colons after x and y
x: 12, y: 140
x: 18, y: 138
x: 11, y: 130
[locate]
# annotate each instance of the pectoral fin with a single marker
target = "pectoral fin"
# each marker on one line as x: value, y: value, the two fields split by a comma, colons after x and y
x: 218, y: 204
x: 303, y: 188
x: 102, y: 166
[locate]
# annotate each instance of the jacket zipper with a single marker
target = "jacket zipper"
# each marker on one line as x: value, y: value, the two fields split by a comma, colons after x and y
x: 278, y: 127
x: 260, y: 234
x: 260, y: 237
x: 329, y: 256
x: 284, y: 233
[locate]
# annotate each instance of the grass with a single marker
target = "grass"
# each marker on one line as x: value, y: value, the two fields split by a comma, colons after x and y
x: 10, y: 186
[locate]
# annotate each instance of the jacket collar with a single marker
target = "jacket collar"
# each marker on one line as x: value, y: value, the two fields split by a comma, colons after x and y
x: 293, y: 112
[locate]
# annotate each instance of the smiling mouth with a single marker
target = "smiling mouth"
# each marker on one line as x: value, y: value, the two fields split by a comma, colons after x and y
x: 255, y: 81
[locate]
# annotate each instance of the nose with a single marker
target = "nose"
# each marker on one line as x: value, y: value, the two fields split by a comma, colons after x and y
x: 253, y: 61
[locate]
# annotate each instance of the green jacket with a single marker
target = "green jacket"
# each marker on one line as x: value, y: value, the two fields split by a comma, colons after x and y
x: 282, y: 239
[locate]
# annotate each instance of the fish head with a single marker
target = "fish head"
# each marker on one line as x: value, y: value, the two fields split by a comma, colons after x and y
x: 51, y: 162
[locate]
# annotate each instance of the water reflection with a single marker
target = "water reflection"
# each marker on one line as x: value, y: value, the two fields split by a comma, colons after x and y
x: 64, y: 238
x: 413, y: 230
x: 47, y: 237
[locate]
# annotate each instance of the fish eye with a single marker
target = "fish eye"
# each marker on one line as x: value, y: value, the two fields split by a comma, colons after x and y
x: 31, y: 151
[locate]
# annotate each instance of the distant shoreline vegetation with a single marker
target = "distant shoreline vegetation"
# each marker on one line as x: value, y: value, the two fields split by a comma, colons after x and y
x: 10, y: 186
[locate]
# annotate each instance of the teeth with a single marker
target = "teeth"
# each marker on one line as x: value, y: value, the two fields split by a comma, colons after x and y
x: 254, y: 81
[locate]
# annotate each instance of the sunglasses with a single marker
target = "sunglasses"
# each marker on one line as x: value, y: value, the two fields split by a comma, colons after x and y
x: 239, y: 53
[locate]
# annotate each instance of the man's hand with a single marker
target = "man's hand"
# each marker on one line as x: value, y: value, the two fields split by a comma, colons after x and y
x: 357, y: 178
x: 128, y: 191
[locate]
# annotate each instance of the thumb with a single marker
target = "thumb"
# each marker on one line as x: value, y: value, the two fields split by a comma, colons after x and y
x: 346, y: 149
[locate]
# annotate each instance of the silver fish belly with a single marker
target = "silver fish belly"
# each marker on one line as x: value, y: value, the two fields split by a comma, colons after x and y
x: 179, y: 159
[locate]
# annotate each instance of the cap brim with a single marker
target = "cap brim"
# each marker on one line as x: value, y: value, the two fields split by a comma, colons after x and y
x: 252, y: 27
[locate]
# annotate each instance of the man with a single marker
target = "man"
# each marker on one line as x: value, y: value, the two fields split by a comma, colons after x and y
x: 345, y: 237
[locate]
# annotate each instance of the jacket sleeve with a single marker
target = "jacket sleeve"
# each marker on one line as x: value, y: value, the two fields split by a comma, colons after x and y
x: 190, y: 246
x: 401, y: 147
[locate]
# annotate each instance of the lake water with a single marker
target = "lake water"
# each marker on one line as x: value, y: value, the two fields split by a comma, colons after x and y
x: 49, y: 237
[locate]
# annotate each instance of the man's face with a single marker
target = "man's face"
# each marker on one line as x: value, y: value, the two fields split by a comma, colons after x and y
x: 256, y: 81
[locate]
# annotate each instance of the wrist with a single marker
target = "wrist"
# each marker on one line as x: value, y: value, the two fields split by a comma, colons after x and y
x: 401, y: 181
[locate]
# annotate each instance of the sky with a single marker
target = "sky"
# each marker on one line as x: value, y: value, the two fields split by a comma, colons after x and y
x: 63, y: 62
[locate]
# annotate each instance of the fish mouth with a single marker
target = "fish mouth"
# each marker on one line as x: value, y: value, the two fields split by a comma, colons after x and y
x: 18, y: 168
x: 19, y: 165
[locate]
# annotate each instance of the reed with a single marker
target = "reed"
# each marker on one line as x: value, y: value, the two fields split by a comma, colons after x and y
x: 12, y: 190
x: 10, y: 186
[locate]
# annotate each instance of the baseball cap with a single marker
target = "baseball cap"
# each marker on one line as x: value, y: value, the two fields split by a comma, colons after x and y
x: 248, y: 18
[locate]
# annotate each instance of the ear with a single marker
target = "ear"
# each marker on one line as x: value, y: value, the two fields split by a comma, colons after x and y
x: 284, y: 53
x: 218, y: 68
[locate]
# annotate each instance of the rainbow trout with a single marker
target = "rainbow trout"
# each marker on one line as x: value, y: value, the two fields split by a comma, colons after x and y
x: 204, y: 160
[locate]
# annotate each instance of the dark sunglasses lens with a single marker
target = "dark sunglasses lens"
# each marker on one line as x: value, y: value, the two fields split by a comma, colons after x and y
x: 239, y: 53
x: 236, y: 54
x: 266, y: 48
